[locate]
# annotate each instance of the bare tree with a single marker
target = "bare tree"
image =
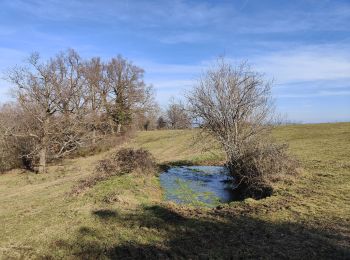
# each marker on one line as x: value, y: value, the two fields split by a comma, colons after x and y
x: 66, y: 102
x: 127, y: 91
x: 234, y: 105
x: 146, y: 118
x: 36, y: 95
x: 51, y: 94
x: 161, y: 123
x: 93, y: 73
x: 71, y: 98
x: 177, y: 115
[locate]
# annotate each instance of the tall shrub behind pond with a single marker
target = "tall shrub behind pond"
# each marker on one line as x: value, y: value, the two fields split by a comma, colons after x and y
x: 234, y: 105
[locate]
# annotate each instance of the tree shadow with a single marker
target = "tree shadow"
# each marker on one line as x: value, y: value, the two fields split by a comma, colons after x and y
x: 105, y: 213
x: 191, y: 233
x: 166, y: 215
x: 230, y: 235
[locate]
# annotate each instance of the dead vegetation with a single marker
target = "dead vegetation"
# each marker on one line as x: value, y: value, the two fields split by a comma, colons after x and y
x: 138, y: 160
x: 124, y: 161
x: 259, y: 167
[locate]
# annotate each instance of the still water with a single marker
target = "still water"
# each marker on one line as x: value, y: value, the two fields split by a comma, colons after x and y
x: 197, y: 185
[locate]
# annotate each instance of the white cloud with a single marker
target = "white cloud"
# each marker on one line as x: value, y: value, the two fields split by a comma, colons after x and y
x: 304, y: 72
x: 315, y: 63
x: 317, y: 94
x: 146, y: 13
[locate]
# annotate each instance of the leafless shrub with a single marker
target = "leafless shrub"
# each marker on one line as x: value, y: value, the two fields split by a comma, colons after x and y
x: 139, y: 160
x: 234, y: 105
x: 260, y: 166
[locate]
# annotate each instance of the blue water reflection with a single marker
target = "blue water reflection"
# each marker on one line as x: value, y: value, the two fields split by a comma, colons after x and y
x: 197, y: 185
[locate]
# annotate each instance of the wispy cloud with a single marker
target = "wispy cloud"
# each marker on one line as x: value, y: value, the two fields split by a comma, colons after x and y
x: 147, y: 13
x: 313, y: 95
x: 302, y: 45
x: 190, y: 20
x: 304, y: 72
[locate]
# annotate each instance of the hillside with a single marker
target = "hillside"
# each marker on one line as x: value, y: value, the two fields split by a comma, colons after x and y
x: 125, y: 216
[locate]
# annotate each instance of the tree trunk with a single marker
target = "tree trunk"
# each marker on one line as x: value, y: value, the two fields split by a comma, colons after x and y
x: 42, y: 160
x: 111, y: 123
x: 94, y: 136
x: 119, y: 127
x: 44, y: 145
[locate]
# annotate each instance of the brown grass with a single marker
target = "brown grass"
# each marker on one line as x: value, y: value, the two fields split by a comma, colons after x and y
x: 135, y: 160
x: 124, y: 161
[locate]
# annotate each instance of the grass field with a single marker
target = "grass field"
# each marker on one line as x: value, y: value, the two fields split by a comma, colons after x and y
x: 125, y: 217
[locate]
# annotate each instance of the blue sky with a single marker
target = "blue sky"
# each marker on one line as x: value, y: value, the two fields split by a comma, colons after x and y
x: 304, y: 46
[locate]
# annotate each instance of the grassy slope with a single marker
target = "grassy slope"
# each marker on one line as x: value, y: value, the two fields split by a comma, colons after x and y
x: 124, y: 216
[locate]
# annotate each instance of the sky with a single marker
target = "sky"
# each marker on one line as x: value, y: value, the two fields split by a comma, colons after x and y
x: 303, y: 46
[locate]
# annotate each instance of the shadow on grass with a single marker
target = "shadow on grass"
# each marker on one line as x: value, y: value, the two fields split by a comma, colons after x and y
x: 105, y: 213
x: 193, y: 233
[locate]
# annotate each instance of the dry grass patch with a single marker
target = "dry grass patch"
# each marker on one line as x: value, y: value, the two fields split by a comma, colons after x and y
x: 124, y: 161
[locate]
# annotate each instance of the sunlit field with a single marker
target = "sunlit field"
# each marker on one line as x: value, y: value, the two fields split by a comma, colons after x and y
x: 125, y: 216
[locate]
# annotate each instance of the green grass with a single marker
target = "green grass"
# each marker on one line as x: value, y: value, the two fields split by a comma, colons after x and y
x: 179, y: 146
x: 125, y: 216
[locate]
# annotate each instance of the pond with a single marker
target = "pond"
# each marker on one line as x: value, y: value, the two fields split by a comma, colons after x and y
x: 197, y: 185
